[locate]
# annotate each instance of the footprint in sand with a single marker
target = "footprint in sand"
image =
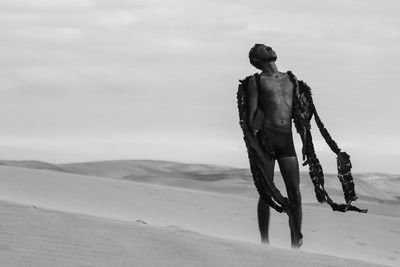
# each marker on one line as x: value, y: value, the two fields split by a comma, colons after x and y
x: 173, y: 227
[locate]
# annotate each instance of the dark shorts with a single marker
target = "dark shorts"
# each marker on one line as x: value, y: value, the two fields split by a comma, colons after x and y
x: 279, y: 140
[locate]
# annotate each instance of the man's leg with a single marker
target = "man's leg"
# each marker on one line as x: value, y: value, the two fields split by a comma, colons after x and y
x: 263, y: 208
x: 289, y: 168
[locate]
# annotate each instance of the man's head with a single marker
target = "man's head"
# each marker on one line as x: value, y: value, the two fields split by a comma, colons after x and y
x: 261, y: 53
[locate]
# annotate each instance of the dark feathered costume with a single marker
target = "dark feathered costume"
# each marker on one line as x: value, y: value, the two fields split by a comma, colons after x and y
x: 303, y: 110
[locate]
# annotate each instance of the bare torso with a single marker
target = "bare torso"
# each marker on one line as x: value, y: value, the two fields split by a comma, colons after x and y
x: 275, y: 99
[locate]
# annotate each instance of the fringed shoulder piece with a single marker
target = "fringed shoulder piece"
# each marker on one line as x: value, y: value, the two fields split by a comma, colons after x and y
x: 303, y: 110
x: 263, y: 182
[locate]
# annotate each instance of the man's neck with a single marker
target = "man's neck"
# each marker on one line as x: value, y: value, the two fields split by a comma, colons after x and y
x: 269, y: 68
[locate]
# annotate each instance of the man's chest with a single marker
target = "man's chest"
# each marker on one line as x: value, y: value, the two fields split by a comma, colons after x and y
x: 276, y: 89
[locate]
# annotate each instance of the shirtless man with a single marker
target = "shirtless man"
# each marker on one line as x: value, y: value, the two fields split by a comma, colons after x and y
x: 274, y: 98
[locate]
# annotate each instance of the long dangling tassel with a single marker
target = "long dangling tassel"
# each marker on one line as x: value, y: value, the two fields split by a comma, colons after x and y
x: 264, y: 184
x: 304, y: 109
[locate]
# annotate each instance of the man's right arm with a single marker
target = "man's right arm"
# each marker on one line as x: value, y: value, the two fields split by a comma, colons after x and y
x: 252, y: 101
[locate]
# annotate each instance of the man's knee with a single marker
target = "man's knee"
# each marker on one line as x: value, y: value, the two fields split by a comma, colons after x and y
x: 295, y: 197
x: 262, y: 202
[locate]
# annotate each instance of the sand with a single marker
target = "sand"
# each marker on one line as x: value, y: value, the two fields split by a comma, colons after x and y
x: 152, y: 213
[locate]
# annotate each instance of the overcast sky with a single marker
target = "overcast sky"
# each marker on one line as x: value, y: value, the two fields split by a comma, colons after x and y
x: 88, y: 80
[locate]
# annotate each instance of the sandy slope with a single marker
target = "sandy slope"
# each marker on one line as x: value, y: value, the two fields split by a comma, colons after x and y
x: 31, y: 236
x: 373, y: 237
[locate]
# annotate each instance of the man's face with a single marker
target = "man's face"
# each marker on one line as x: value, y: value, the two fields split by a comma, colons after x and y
x: 265, y: 53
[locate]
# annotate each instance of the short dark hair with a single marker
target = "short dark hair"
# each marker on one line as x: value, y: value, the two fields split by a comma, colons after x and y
x: 253, y: 54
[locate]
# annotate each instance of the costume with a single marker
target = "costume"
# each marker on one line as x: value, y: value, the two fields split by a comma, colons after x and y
x: 259, y: 149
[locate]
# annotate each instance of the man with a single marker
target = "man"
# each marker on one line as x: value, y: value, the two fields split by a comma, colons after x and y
x: 272, y: 92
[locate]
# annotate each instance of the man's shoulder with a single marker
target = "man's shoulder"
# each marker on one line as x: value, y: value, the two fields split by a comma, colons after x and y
x: 250, y: 79
x: 291, y: 75
x: 252, y: 76
x: 283, y: 73
x: 248, y: 82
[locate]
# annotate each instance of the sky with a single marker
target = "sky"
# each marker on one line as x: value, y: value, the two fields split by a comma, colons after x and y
x: 84, y: 80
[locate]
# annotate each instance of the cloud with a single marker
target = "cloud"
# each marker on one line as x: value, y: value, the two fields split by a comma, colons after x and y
x: 37, y: 5
x: 137, y: 67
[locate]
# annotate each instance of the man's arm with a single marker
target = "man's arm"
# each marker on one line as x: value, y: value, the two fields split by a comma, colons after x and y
x: 293, y: 78
x: 252, y: 101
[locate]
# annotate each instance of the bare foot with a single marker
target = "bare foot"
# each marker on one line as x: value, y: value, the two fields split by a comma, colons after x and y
x: 296, y: 244
x: 265, y: 241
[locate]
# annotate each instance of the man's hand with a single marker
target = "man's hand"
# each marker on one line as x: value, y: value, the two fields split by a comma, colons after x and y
x: 254, y: 132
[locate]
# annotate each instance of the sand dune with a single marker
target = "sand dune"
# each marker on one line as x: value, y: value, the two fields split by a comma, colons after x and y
x: 372, y: 237
x: 31, y: 164
x: 378, y: 187
x: 31, y: 236
x: 369, y: 186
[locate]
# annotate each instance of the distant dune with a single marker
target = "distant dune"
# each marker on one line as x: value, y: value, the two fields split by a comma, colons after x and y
x: 32, y: 164
x: 186, y: 214
x: 369, y: 186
